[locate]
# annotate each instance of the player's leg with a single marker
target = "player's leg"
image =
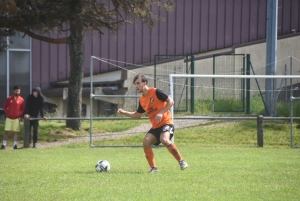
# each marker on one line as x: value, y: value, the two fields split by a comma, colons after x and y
x: 30, y: 132
x: 165, y: 139
x: 16, y: 129
x: 5, y: 137
x: 16, y: 134
x: 7, y: 128
x: 35, y: 132
x: 150, y: 139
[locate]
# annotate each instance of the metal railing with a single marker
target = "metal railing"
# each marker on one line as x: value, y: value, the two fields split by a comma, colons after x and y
x: 260, y: 121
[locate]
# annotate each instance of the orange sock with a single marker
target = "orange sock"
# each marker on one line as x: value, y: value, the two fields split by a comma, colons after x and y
x: 174, y: 151
x: 150, y: 156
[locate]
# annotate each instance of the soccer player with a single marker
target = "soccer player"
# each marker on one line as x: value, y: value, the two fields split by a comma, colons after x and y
x: 34, y: 106
x: 157, y: 105
x: 13, y: 108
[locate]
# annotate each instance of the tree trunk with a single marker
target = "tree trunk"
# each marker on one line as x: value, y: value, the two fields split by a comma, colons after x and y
x: 76, y: 74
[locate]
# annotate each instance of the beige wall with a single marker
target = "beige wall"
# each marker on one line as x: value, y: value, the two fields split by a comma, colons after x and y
x: 285, y: 48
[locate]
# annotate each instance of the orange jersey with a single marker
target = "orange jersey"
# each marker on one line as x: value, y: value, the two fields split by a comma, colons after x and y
x: 152, y: 103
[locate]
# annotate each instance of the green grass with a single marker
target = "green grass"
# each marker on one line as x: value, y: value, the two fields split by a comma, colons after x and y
x: 222, y: 134
x: 227, y: 173
x: 212, y: 133
x: 56, y: 130
x: 204, y: 107
x: 224, y: 164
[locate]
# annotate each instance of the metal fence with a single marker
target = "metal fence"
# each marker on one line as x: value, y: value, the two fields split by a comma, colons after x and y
x: 259, y: 119
x: 173, y: 64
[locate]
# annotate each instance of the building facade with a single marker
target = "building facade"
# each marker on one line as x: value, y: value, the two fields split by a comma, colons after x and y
x: 194, y: 27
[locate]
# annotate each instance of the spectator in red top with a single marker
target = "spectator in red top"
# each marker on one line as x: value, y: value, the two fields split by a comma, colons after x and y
x: 13, y: 108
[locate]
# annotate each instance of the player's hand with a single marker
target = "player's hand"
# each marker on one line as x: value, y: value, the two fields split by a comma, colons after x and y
x: 26, y: 116
x: 158, y: 117
x: 45, y: 117
x: 121, y: 111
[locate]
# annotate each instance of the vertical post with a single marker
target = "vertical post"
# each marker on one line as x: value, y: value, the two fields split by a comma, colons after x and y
x: 260, y: 131
x: 155, y: 71
x: 213, y: 83
x: 7, y: 70
x: 192, y: 85
x: 291, y: 103
x: 271, y: 42
x: 186, y: 83
x: 285, y: 84
x: 26, y: 133
x: 171, y: 96
x: 91, y: 100
x: 248, y: 85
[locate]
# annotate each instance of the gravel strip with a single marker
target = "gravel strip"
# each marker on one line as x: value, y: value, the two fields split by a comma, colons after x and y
x: 143, y: 128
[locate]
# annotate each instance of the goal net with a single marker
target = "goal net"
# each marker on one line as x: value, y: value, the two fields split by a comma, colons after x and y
x: 284, y: 94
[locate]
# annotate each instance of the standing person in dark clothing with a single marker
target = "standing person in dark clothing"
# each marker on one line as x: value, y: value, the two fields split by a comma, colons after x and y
x: 34, y: 105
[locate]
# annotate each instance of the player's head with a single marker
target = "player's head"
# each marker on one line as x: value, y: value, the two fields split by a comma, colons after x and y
x: 17, y: 90
x: 140, y: 81
x: 35, y: 92
x: 140, y: 76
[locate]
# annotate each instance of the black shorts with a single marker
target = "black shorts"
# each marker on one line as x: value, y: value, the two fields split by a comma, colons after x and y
x: 157, y: 131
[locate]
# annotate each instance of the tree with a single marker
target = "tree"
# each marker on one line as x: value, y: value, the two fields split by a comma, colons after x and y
x: 37, y: 17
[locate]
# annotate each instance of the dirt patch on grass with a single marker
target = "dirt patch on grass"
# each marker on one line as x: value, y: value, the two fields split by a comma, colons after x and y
x: 64, y: 132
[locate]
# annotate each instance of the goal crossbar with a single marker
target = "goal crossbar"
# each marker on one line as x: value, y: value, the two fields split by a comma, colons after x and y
x: 233, y: 76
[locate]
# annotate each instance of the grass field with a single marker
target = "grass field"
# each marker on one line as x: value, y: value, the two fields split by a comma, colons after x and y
x: 224, y: 164
x: 228, y: 173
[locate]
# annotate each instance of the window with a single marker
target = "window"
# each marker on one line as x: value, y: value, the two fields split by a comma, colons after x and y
x: 15, y: 67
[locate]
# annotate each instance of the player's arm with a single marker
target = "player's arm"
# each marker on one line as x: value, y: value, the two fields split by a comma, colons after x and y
x: 22, y: 109
x: 26, y: 115
x: 42, y: 108
x: 165, y: 98
x: 169, y: 104
x: 6, y: 106
x: 135, y: 115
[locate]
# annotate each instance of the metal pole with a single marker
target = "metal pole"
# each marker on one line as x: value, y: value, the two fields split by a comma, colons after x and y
x: 155, y: 70
x: 193, y: 85
x: 248, y: 86
x: 260, y: 131
x: 7, y: 70
x: 271, y: 43
x: 238, y: 76
x: 213, y: 84
x: 291, y: 103
x: 26, y: 133
x: 91, y: 100
x: 186, y: 84
x: 171, y: 95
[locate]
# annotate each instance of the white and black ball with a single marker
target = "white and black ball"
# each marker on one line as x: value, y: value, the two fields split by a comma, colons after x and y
x: 102, y: 166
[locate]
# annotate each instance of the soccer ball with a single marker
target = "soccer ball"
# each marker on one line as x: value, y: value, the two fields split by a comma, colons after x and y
x: 102, y: 166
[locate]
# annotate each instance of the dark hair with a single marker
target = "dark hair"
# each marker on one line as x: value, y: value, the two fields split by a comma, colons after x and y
x: 17, y: 87
x: 142, y: 77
